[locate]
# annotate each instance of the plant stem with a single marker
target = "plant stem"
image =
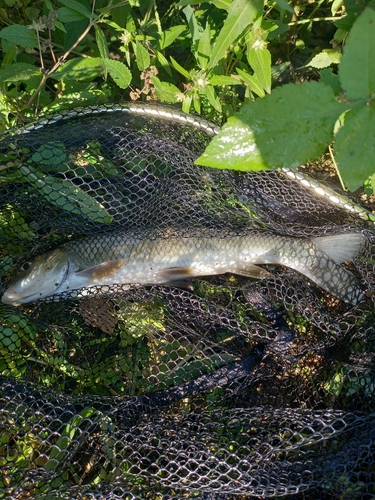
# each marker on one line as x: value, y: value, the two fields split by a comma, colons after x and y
x: 314, y: 20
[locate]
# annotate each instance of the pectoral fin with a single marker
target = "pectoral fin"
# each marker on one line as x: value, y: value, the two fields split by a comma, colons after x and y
x: 101, y: 271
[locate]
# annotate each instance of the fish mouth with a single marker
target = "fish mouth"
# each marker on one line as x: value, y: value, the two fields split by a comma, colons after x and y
x: 11, y: 298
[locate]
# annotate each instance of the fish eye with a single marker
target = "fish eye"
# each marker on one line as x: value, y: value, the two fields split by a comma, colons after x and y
x: 26, y: 265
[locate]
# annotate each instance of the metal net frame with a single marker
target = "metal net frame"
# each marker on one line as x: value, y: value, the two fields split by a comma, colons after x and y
x: 218, y: 387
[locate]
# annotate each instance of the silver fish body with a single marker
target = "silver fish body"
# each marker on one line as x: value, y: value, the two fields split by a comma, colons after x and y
x: 117, y: 260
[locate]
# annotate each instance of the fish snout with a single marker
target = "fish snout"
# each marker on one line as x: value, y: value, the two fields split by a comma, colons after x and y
x: 10, y: 297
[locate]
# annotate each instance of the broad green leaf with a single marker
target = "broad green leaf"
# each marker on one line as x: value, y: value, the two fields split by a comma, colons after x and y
x: 329, y: 78
x: 290, y: 126
x: 19, y: 35
x: 357, y: 68
x: 142, y: 56
x: 119, y: 72
x: 223, y: 80
x: 252, y: 81
x: 325, y: 59
x: 355, y: 146
x: 321, y: 60
x: 65, y: 195
x: 168, y: 36
x: 66, y: 15
x: 212, y: 97
x: 77, y: 6
x: 80, y: 68
x: 259, y: 58
x: 345, y: 23
x: 51, y: 154
x: 241, y: 14
x: 101, y: 42
x: 204, y: 48
x: 166, y: 92
x: 179, y: 68
x: 233, y: 148
x: 17, y: 72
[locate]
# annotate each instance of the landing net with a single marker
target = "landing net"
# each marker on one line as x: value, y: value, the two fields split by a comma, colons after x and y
x: 223, y: 387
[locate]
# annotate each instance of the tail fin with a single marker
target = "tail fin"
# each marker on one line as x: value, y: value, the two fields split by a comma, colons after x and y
x: 341, y: 247
x: 326, y: 253
x: 321, y: 263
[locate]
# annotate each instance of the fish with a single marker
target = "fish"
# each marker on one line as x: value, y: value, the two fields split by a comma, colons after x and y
x: 131, y: 259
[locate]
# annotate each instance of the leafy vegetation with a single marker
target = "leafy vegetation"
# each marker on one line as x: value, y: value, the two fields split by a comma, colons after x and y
x: 213, y: 58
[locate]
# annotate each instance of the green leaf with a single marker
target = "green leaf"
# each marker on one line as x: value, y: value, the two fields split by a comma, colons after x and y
x: 212, y: 98
x: 357, y: 68
x: 65, y: 195
x: 78, y: 7
x: 204, y: 48
x: 186, y: 103
x: 66, y: 15
x: 9, y: 56
x: 252, y: 81
x: 223, y: 80
x: 259, y: 58
x: 17, y: 72
x: 80, y: 68
x: 329, y: 78
x: 241, y: 14
x: 166, y: 92
x: 19, y: 35
x: 194, y: 27
x: 220, y: 4
x: 163, y: 61
x: 278, y: 70
x: 142, y: 56
x: 101, y: 42
x: 168, y: 36
x: 325, y: 59
x: 233, y: 148
x: 180, y: 69
x: 290, y: 126
x: 119, y: 72
x: 59, y: 26
x: 355, y: 146
x: 321, y: 60
x: 282, y: 4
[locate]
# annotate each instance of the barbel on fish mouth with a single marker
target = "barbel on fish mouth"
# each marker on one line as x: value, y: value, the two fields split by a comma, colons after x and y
x: 120, y: 259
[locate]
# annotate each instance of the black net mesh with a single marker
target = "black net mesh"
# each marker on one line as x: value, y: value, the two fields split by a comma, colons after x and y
x: 214, y: 387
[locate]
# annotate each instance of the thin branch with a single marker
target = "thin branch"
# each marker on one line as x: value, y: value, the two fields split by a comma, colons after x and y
x: 62, y: 59
x: 336, y: 167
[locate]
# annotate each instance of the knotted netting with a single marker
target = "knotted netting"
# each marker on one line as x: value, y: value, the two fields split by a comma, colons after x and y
x: 214, y: 387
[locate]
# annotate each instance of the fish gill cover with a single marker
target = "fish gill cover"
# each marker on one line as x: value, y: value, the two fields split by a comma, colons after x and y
x: 214, y: 387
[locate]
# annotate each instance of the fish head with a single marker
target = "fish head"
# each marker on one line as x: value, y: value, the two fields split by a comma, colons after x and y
x: 38, y: 278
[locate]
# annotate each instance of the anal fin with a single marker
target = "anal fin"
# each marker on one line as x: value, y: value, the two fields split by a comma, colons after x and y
x: 252, y: 271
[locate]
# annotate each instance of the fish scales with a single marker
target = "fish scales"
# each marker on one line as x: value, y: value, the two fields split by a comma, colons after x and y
x: 121, y: 259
